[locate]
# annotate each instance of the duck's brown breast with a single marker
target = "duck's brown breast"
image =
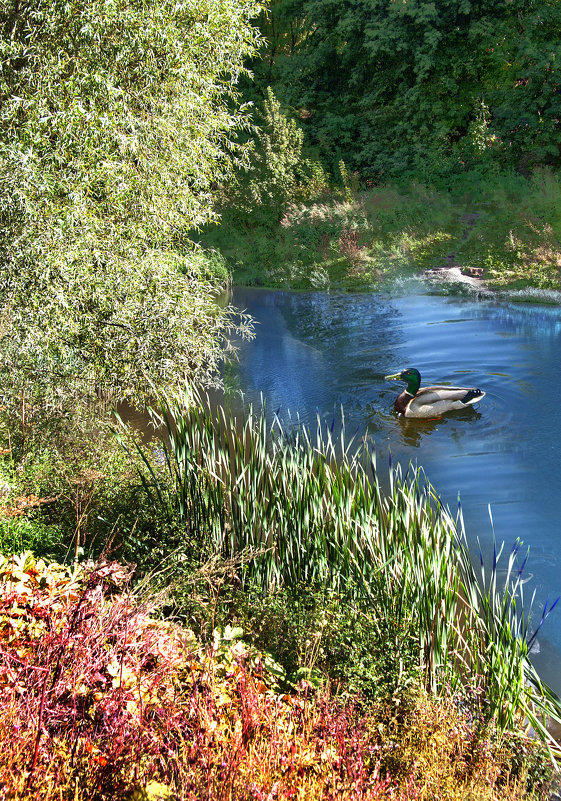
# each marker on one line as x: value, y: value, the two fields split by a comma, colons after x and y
x: 402, y: 401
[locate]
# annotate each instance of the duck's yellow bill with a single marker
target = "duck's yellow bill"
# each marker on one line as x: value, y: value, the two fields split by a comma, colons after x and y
x: 392, y: 377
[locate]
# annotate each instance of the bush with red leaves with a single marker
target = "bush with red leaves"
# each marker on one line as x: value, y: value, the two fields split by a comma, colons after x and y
x: 99, y: 700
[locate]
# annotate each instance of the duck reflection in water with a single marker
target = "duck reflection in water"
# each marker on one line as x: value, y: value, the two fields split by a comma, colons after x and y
x: 414, y: 429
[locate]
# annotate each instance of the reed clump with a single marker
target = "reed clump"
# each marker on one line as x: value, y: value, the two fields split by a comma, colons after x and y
x: 311, y: 512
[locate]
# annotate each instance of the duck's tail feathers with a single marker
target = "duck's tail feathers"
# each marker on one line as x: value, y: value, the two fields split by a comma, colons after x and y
x: 473, y: 396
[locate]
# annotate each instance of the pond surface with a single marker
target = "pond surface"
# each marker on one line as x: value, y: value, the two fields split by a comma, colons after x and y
x: 315, y: 352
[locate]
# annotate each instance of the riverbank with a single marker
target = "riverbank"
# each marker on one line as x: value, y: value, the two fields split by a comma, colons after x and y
x: 291, y: 632
x: 503, y: 230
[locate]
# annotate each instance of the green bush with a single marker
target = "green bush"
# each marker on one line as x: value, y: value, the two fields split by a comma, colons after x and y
x: 324, y: 638
x: 19, y: 534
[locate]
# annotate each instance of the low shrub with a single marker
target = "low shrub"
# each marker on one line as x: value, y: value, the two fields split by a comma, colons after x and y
x: 101, y: 700
x: 321, y: 636
x: 20, y: 533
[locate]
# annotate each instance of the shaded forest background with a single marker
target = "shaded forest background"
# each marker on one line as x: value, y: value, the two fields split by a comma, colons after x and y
x: 392, y: 137
x: 404, y: 88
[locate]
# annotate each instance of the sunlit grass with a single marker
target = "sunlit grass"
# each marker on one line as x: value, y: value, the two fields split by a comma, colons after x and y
x: 505, y: 224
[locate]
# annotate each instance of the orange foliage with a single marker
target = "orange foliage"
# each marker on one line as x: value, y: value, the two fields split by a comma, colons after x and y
x: 99, y: 700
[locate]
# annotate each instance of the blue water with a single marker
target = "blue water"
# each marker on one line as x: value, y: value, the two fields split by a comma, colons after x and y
x: 315, y: 352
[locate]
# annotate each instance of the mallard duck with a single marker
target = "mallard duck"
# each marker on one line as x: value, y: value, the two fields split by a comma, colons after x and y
x: 417, y: 401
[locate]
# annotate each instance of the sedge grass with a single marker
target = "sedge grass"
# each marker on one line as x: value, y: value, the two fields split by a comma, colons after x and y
x: 311, y: 509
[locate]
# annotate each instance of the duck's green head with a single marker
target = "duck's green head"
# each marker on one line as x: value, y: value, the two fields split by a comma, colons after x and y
x: 411, y: 377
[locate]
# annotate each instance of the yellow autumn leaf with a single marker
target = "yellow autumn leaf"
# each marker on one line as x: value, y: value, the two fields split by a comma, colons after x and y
x: 113, y: 667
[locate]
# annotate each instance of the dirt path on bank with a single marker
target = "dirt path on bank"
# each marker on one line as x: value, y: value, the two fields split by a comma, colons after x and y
x: 452, y: 272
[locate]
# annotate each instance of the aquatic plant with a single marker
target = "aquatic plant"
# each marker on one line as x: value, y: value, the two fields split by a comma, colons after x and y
x: 311, y: 510
x: 499, y: 641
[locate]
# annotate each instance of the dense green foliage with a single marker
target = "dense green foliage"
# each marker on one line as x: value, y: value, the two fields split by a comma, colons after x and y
x: 394, y: 87
x: 116, y: 120
x: 262, y: 192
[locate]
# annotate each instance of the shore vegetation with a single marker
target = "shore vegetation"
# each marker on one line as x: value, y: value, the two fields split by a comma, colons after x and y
x: 270, y: 620
x: 502, y: 228
x: 221, y: 607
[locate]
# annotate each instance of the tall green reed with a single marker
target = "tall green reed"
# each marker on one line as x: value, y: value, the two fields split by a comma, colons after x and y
x: 309, y: 509
x: 497, y: 640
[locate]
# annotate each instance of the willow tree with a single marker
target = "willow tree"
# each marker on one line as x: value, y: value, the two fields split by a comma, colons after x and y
x: 117, y: 119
